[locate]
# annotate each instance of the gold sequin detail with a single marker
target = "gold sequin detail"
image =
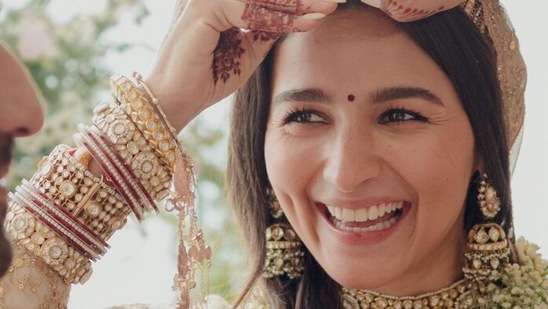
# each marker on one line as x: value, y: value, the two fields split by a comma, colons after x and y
x: 490, y: 17
x: 30, y: 283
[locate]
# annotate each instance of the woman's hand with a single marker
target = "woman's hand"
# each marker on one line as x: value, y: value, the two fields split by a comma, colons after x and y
x: 410, y: 10
x: 206, y: 55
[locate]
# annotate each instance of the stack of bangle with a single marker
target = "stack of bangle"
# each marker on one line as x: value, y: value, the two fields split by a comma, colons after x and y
x: 147, y: 116
x: 65, y: 214
x: 71, y: 186
x: 135, y: 150
x: 76, y: 211
x: 114, y: 167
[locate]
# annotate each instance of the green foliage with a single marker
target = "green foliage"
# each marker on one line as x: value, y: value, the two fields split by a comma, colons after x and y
x: 67, y: 62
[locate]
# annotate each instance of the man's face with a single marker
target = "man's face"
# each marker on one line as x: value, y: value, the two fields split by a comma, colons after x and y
x: 20, y: 115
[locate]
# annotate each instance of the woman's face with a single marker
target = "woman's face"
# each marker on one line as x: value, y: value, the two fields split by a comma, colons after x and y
x: 370, y: 154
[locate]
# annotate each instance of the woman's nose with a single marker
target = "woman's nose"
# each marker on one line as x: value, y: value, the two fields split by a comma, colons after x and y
x: 21, y: 112
x: 352, y: 161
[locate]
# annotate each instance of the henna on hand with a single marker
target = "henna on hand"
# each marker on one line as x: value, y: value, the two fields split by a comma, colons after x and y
x: 287, y: 6
x: 267, y: 19
x: 272, y: 15
x: 227, y: 54
x: 265, y: 36
x: 263, y: 19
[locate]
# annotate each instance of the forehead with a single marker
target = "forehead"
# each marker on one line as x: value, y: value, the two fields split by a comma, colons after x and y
x: 357, y: 22
x: 357, y: 45
x: 358, y: 51
x: 352, y: 27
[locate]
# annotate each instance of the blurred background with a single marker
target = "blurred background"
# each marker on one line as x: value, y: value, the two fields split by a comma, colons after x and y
x: 72, y: 47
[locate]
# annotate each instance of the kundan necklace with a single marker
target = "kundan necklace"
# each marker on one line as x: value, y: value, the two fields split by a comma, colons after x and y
x: 459, y: 295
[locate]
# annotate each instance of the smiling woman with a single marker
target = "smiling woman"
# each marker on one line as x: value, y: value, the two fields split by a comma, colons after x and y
x: 383, y: 190
x: 369, y: 159
x: 356, y: 157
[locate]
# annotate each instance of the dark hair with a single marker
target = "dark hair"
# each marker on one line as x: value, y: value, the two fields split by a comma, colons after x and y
x: 464, y: 54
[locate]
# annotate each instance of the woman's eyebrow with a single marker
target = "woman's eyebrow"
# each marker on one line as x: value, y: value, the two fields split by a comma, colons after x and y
x: 310, y: 95
x: 396, y: 93
x: 313, y: 95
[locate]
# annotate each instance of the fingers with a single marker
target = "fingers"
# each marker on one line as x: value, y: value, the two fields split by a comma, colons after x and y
x: 281, y: 15
x: 289, y: 6
x: 259, y: 18
x: 410, y: 10
x: 240, y: 51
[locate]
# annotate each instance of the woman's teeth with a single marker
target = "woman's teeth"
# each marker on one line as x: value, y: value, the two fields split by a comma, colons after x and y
x: 375, y: 227
x: 364, y: 214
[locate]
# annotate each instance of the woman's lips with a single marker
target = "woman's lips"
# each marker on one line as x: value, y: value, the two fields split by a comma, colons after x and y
x: 365, y: 220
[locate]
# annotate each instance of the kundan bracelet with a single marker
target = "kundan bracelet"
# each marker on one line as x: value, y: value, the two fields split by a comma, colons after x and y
x: 148, y: 118
x: 65, y: 215
x: 132, y: 146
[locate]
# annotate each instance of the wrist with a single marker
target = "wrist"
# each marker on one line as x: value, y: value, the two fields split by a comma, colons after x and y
x: 179, y: 111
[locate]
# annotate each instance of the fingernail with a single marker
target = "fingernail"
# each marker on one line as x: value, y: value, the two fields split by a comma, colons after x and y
x: 375, y: 3
x: 313, y: 16
x: 335, y: 1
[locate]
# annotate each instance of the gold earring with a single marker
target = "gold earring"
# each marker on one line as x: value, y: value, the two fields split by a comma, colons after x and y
x: 488, y: 250
x: 284, y: 254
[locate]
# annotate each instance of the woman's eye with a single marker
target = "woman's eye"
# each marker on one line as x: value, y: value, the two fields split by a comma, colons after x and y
x: 303, y: 116
x: 400, y: 115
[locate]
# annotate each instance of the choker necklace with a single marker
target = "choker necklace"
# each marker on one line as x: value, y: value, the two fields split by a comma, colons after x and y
x: 462, y: 294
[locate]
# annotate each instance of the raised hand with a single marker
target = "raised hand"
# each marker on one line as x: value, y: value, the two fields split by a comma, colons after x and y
x: 215, y: 45
x: 410, y: 10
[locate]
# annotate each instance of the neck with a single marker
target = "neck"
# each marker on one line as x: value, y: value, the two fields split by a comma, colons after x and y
x: 433, y: 273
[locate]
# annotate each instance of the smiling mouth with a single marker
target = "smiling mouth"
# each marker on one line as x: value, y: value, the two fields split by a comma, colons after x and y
x: 371, y: 219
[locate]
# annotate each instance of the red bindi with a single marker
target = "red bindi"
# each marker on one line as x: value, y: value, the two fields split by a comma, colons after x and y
x: 351, y: 98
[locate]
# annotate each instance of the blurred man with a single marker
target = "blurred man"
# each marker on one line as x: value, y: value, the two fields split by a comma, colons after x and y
x: 20, y: 115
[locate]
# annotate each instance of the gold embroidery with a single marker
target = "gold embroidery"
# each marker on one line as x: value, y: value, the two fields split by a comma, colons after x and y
x: 30, y: 283
x: 490, y: 17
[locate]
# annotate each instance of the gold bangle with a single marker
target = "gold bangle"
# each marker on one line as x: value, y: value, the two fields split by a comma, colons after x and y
x: 86, y: 197
x: 122, y: 176
x: 147, y: 118
x: 65, y: 215
x: 141, y: 82
x: 133, y: 148
x: 40, y: 240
